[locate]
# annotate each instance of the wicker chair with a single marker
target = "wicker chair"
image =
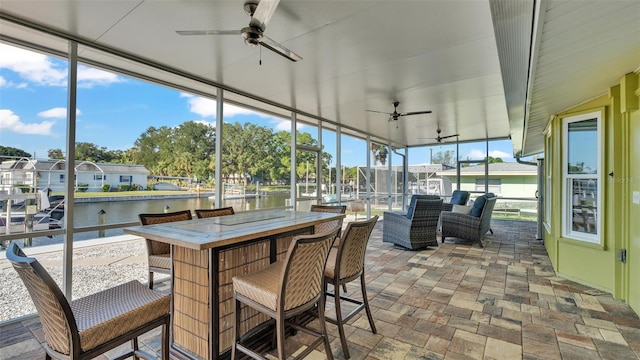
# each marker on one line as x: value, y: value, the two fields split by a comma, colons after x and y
x: 209, y: 213
x: 345, y: 264
x: 472, y: 226
x: 458, y: 197
x: 415, y: 230
x: 158, y: 253
x: 285, y: 289
x: 329, y: 225
x: 92, y: 325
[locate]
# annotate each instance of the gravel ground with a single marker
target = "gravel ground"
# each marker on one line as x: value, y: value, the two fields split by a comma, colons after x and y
x: 88, y: 278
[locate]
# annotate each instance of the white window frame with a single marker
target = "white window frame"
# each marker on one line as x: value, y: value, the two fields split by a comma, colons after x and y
x: 567, y: 191
x: 547, y: 185
x: 126, y: 179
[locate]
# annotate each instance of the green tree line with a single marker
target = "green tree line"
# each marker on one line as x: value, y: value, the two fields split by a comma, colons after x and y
x: 250, y: 151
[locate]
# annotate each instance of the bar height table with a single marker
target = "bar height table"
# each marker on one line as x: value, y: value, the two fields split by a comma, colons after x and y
x: 206, y: 254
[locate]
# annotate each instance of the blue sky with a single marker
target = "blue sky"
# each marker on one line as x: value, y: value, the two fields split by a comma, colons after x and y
x: 113, y: 110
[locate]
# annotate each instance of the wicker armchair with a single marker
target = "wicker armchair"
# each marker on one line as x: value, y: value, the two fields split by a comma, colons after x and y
x: 285, y: 289
x: 415, y: 230
x: 209, y: 213
x: 458, y: 197
x: 95, y: 324
x: 472, y: 226
x: 158, y: 253
x: 344, y: 265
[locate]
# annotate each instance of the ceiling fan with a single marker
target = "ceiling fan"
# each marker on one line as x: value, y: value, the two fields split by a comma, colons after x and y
x: 440, y: 138
x: 260, y: 12
x: 395, y: 114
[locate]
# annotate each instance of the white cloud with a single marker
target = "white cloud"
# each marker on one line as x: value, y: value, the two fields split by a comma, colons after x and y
x: 41, y: 70
x: 32, y: 66
x: 90, y: 77
x: 3, y: 82
x: 207, y: 108
x: 57, y: 113
x: 480, y: 154
x: 11, y: 122
x: 284, y: 125
x: 500, y: 154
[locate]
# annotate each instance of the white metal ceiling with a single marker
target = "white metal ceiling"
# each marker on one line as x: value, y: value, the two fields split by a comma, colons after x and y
x: 456, y: 58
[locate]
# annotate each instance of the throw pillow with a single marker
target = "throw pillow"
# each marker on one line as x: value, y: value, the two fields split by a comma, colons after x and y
x: 461, y: 209
x: 478, y: 205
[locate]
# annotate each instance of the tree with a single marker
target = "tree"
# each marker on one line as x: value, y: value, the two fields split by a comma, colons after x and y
x: 55, y: 154
x: 493, y: 160
x: 13, y: 152
x: 447, y: 157
x: 379, y: 153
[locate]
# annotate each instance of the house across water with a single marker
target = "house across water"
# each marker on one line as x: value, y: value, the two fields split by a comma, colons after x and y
x: 91, y: 177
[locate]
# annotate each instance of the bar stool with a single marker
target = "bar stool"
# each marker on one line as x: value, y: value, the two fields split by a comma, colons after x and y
x: 329, y: 225
x: 345, y: 264
x: 158, y: 253
x: 87, y: 327
x: 285, y: 289
x: 208, y: 213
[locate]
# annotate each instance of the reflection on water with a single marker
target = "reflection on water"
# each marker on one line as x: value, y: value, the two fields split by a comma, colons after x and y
x: 86, y: 214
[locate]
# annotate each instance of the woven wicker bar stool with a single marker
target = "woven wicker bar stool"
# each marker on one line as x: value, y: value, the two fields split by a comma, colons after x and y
x: 158, y: 253
x: 329, y: 225
x: 95, y: 324
x: 345, y: 264
x: 285, y: 289
x: 208, y: 213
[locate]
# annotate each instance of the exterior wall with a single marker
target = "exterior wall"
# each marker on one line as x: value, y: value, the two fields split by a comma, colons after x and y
x: 510, y: 186
x: 597, y: 265
x: 52, y: 180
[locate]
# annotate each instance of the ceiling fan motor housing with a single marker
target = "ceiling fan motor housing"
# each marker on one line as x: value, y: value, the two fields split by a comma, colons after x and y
x: 251, y: 36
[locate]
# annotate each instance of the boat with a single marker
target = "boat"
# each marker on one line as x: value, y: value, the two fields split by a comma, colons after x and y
x: 49, y: 216
x: 17, y: 222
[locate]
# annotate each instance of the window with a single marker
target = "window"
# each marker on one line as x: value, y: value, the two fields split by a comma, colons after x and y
x: 61, y: 178
x: 100, y: 177
x: 125, y: 178
x: 494, y: 185
x: 581, y: 177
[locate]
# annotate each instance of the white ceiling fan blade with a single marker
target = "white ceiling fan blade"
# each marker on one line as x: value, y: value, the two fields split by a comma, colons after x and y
x: 208, y: 32
x: 263, y: 13
x: 279, y: 49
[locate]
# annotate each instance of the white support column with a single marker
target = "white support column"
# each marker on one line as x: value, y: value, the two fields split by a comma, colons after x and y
x: 368, y: 177
x: 67, y: 254
x: 405, y: 178
x: 390, y: 178
x: 219, y: 139
x: 319, y: 164
x: 294, y: 136
x: 339, y: 164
